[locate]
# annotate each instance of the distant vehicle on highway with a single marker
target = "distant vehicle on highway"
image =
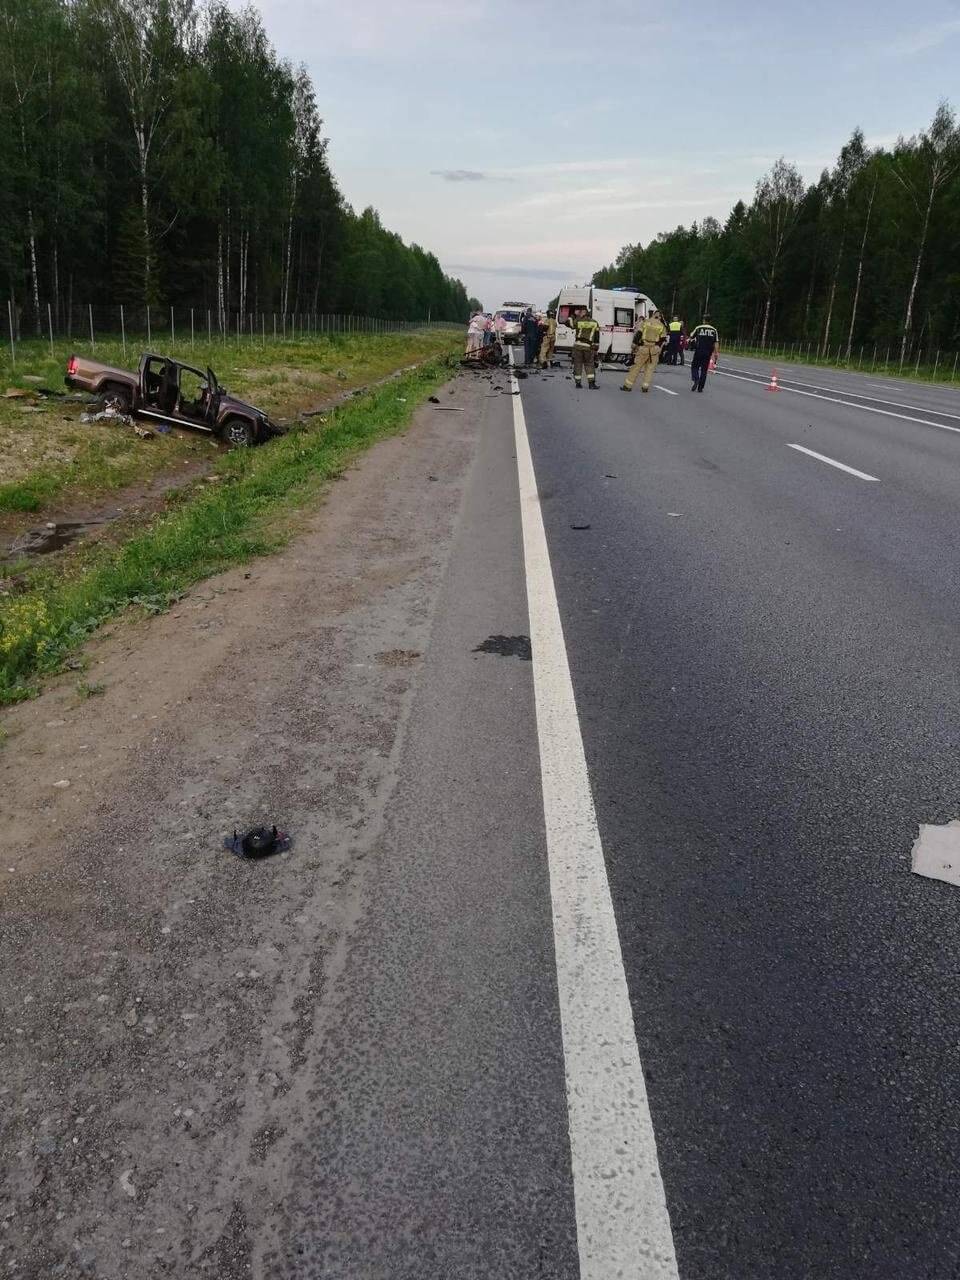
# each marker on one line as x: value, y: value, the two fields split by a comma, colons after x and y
x: 511, y: 316
x: 167, y: 391
x: 615, y: 310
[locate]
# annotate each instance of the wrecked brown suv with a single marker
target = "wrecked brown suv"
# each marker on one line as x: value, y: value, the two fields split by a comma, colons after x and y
x: 168, y: 392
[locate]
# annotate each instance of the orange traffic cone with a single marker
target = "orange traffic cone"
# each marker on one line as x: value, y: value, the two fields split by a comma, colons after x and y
x: 773, y: 385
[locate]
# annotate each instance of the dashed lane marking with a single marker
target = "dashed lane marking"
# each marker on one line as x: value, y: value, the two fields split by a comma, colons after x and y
x: 841, y: 466
x: 623, y: 1227
x: 666, y: 390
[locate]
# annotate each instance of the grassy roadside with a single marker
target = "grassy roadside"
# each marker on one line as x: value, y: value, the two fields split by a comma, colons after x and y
x: 945, y: 373
x: 48, y: 456
x: 244, y: 515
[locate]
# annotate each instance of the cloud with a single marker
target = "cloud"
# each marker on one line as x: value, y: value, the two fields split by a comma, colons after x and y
x: 923, y: 39
x: 460, y: 175
x: 527, y: 273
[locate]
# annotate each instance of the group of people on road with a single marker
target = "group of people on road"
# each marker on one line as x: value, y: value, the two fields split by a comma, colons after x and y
x: 653, y: 342
x: 538, y: 331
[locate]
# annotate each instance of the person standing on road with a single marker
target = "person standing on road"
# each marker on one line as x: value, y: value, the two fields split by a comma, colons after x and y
x: 586, y: 342
x: 475, y: 333
x: 705, y: 341
x: 531, y: 337
x: 649, y: 337
x: 549, y: 339
x: 675, y: 328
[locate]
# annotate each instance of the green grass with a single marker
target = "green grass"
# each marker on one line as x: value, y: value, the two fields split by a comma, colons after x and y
x: 100, y: 465
x: 245, y: 515
x: 90, y: 689
x: 48, y: 460
x: 946, y: 371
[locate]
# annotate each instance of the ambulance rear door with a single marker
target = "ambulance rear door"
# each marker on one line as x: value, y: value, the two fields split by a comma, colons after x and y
x: 571, y: 297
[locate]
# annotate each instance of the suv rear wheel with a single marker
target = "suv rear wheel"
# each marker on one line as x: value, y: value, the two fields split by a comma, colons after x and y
x: 116, y: 398
x: 238, y: 433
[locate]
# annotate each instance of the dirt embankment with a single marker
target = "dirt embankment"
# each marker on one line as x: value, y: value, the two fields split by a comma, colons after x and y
x: 162, y: 999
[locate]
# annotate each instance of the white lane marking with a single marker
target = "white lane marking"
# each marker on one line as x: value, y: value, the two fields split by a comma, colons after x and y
x: 623, y: 1227
x: 844, y: 392
x: 862, y: 475
x: 666, y: 390
x: 849, y: 404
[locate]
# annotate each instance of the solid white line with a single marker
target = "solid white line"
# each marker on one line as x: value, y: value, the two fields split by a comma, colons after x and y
x: 867, y: 408
x: 844, y: 392
x: 862, y: 475
x: 666, y: 390
x: 623, y: 1228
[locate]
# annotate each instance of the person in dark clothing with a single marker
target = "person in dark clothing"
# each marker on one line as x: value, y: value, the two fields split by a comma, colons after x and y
x: 705, y: 341
x: 531, y: 338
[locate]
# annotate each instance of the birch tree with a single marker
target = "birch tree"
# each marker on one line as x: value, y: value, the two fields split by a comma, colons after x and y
x: 773, y: 217
x: 923, y: 167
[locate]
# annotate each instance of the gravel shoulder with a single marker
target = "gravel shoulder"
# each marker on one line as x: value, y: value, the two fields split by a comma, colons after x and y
x: 159, y: 997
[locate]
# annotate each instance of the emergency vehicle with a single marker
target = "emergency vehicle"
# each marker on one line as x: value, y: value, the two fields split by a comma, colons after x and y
x: 511, y: 316
x: 615, y: 310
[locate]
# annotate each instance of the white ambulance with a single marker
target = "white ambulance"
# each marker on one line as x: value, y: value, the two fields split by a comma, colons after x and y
x: 615, y: 310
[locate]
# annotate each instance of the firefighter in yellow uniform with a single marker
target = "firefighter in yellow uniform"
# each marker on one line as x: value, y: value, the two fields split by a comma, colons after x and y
x: 586, y: 343
x: 549, y: 340
x: 647, y: 341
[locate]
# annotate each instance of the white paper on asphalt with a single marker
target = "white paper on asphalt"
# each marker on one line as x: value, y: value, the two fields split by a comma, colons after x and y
x: 936, y: 852
x: 623, y: 1227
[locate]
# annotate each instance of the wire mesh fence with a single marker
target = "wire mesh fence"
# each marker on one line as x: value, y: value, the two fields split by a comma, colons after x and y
x: 934, y: 365
x: 149, y: 327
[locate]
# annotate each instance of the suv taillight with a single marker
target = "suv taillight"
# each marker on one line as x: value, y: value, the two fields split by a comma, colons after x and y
x: 72, y: 366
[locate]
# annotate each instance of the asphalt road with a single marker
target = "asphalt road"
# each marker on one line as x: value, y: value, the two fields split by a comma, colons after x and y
x: 763, y: 649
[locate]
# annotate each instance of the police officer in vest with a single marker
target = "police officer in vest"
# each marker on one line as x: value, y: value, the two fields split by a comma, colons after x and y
x: 673, y: 349
x: 586, y: 343
x: 649, y: 337
x: 705, y: 341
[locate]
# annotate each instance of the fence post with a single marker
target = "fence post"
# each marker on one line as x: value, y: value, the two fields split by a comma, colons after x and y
x: 93, y: 345
x: 953, y: 376
x: 916, y: 370
x: 192, y: 330
x: 263, y: 329
x: 936, y: 364
x: 173, y: 338
x: 274, y: 326
x: 123, y: 330
x: 874, y: 357
x: 149, y: 332
x: 13, y: 348
x: 209, y: 326
x: 860, y: 358
x: 50, y: 328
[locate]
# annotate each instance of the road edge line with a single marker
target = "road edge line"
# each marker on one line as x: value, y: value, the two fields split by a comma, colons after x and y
x: 623, y: 1225
x: 867, y: 408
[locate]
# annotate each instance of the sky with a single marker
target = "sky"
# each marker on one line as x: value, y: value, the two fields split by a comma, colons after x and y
x: 526, y: 143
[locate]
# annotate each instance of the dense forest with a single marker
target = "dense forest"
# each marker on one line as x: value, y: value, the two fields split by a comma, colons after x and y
x: 865, y: 256
x: 159, y: 152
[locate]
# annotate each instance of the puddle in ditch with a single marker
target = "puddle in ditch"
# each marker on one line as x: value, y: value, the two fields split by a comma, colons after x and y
x: 50, y: 537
